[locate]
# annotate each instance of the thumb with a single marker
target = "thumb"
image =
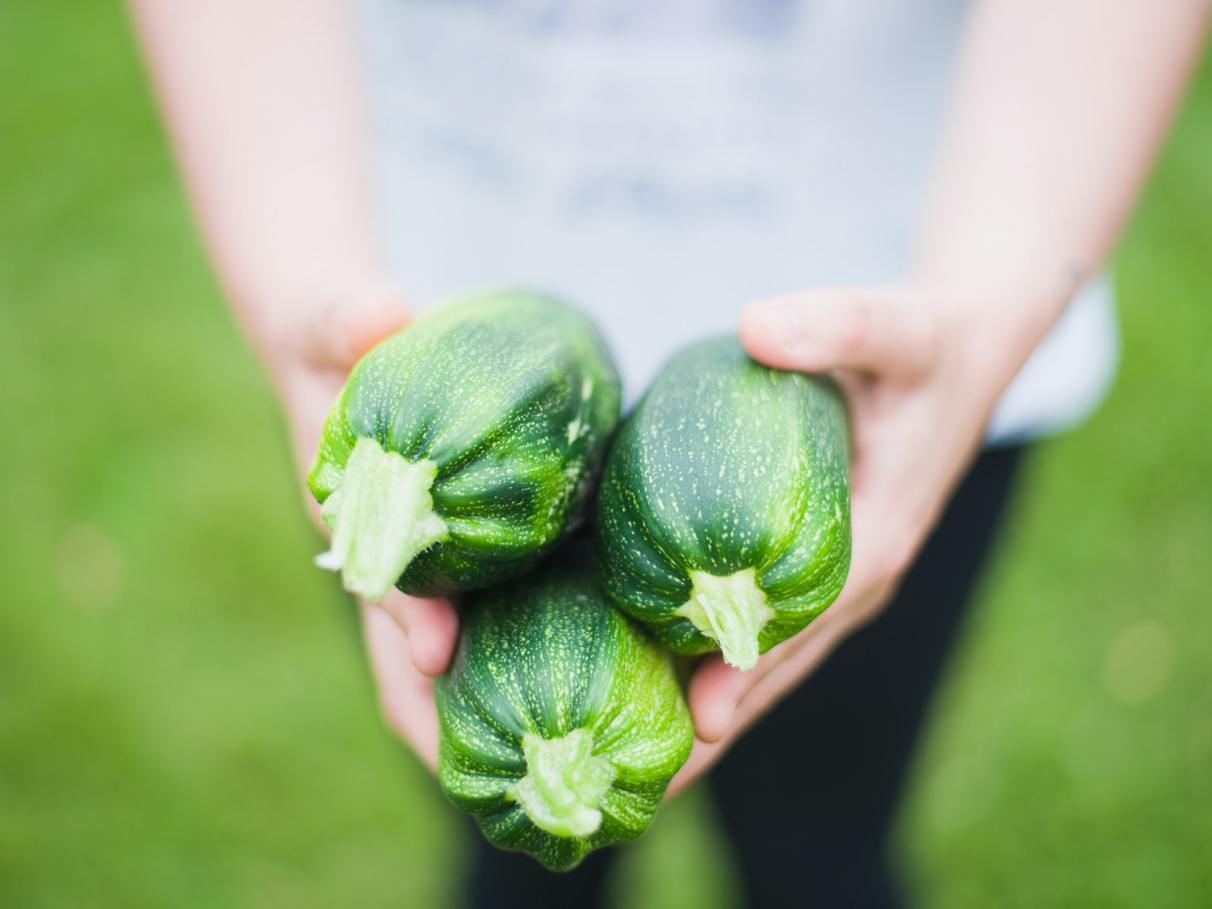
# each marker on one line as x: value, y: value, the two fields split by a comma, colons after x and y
x: 344, y: 330
x: 878, y: 331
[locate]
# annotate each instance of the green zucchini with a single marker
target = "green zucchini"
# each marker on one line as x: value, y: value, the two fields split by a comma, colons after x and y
x: 561, y: 721
x: 464, y: 447
x: 724, y: 512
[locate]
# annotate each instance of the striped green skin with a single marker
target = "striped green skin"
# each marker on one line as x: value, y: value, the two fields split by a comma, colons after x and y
x: 727, y: 465
x: 548, y: 655
x: 513, y: 395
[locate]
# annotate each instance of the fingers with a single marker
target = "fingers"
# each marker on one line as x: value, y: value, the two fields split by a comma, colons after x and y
x: 876, y: 331
x: 431, y: 628
x: 702, y: 756
x: 344, y: 330
x: 713, y: 693
x: 809, y: 650
x: 405, y: 696
x: 717, y: 692
x: 723, y: 701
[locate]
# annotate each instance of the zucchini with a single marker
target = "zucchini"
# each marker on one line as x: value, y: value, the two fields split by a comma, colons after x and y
x: 724, y: 513
x: 561, y: 721
x: 464, y: 447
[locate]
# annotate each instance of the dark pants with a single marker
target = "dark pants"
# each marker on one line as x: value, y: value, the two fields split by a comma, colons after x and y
x: 808, y: 796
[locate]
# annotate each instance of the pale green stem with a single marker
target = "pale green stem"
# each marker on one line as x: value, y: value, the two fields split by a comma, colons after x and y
x: 564, y: 785
x: 381, y: 516
x: 731, y: 611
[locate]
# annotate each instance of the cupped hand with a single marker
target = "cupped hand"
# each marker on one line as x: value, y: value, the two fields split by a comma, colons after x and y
x: 408, y: 639
x: 921, y: 372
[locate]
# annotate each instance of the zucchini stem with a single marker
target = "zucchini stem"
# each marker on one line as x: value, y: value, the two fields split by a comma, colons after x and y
x: 731, y: 611
x: 564, y: 783
x: 381, y: 517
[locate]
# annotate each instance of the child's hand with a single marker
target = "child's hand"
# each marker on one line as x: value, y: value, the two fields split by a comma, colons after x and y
x: 408, y: 639
x: 921, y: 374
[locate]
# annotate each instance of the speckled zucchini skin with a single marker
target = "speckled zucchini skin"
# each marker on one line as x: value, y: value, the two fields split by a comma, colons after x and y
x: 548, y: 655
x: 513, y: 395
x: 727, y: 465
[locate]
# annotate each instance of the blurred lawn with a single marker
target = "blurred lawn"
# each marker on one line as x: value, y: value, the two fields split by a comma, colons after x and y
x: 185, y: 719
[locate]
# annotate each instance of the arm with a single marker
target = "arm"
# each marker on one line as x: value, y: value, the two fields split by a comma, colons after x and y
x: 1057, y: 112
x: 263, y: 105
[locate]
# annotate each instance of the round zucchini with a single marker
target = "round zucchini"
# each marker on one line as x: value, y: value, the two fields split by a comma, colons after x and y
x: 463, y: 447
x: 724, y: 513
x: 561, y: 721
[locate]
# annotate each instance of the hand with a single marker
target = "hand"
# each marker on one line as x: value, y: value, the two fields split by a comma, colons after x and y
x: 921, y: 373
x: 408, y: 639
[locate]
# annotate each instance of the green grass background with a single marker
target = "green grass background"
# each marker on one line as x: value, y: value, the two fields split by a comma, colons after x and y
x: 184, y: 717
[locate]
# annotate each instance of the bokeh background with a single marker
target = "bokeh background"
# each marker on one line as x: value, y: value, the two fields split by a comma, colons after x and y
x: 185, y: 714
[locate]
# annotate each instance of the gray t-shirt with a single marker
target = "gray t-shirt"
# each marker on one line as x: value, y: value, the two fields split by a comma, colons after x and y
x: 660, y: 164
